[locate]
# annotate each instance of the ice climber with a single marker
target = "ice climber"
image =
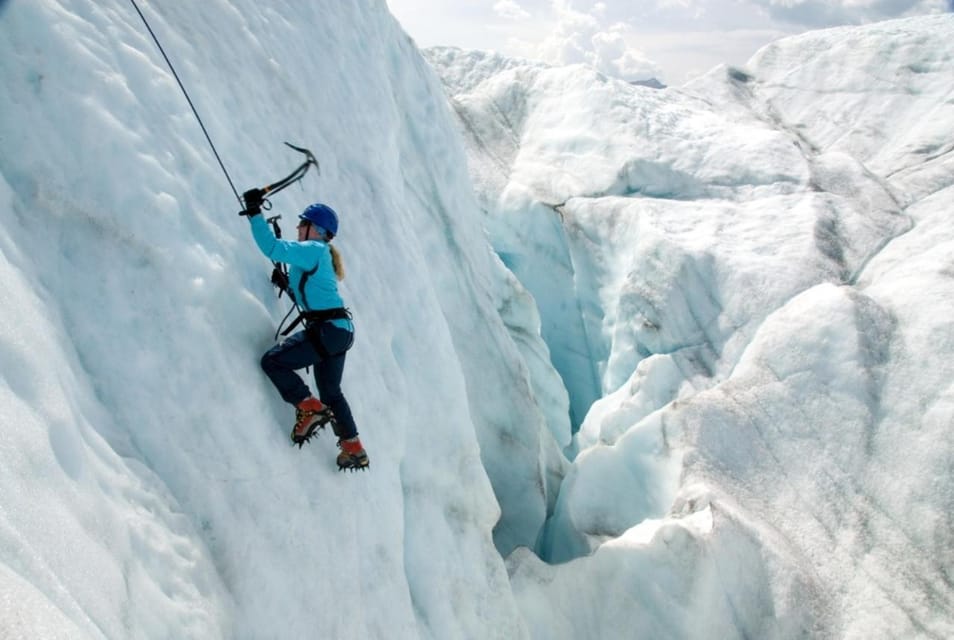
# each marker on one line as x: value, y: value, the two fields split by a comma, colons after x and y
x: 314, y: 269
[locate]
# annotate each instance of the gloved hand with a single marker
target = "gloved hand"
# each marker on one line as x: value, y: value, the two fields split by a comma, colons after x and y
x: 280, y: 279
x: 253, y: 202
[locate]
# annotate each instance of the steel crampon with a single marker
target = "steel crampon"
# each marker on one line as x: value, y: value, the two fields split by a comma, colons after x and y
x: 311, y: 433
x: 313, y: 430
x: 353, y: 460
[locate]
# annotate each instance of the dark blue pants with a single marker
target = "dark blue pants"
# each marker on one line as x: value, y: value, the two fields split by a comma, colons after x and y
x: 281, y: 361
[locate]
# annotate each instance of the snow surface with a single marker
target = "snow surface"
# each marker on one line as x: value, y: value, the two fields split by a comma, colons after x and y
x: 745, y: 284
x: 746, y: 308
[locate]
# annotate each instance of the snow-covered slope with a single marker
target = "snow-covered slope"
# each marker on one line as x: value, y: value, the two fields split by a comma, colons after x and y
x: 149, y: 489
x: 751, y: 277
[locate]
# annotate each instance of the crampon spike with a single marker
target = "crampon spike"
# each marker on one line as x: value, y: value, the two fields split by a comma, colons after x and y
x: 313, y: 431
x: 353, y: 468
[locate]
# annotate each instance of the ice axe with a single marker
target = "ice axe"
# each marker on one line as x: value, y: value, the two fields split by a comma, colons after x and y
x: 292, y: 177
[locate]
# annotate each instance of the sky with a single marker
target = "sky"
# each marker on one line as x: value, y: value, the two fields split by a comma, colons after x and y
x: 672, y: 40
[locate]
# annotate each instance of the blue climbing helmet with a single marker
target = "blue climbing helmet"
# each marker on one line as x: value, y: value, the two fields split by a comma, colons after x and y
x: 321, y: 215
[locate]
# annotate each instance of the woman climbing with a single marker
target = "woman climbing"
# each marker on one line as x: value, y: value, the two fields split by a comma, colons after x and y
x: 314, y: 269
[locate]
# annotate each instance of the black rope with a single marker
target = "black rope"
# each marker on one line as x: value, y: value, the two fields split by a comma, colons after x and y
x: 186, y: 94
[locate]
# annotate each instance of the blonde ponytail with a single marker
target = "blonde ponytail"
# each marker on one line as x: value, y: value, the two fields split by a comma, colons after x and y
x: 337, y: 262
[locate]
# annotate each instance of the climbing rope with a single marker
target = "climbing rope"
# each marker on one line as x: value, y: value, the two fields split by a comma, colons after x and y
x: 186, y: 94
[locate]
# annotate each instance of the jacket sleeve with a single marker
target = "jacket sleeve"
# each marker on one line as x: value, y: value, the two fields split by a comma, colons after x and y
x: 296, y: 253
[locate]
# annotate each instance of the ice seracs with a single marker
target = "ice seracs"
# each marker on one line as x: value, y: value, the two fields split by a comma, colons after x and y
x: 744, y: 258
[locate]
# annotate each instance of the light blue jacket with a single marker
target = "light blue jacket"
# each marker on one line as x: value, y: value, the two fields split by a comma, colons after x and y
x: 321, y: 287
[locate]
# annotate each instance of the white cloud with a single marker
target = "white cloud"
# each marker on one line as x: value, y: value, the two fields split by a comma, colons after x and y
x: 510, y: 10
x: 580, y: 37
x: 686, y: 37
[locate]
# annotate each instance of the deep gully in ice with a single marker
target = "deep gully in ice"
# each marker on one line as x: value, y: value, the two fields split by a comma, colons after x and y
x: 535, y: 247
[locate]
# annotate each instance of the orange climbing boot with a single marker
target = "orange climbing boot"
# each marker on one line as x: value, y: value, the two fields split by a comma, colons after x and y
x: 352, y: 456
x: 310, y: 416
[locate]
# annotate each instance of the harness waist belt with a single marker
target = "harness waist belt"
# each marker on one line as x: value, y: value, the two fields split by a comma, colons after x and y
x: 319, y: 316
x: 324, y: 315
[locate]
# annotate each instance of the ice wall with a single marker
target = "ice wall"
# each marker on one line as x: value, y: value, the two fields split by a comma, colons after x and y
x: 150, y: 489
